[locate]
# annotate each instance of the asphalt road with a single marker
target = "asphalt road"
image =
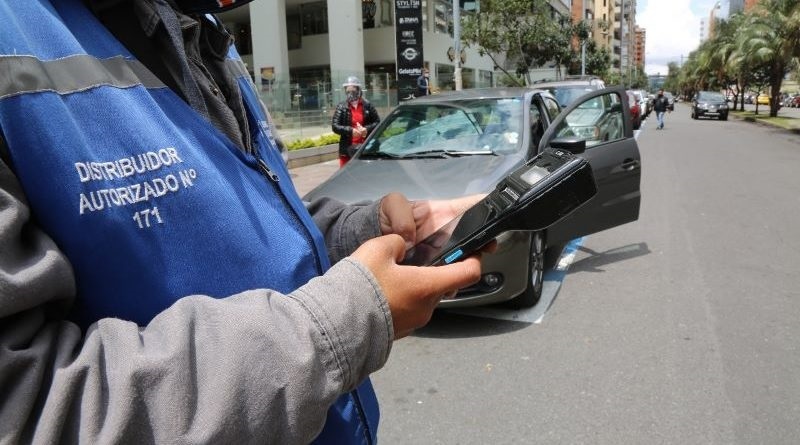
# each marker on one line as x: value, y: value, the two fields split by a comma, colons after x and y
x: 679, y: 328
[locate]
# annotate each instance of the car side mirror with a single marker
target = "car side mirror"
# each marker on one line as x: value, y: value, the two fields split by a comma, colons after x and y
x: 570, y: 144
x: 616, y: 108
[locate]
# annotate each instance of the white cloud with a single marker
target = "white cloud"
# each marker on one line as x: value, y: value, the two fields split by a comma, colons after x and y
x: 673, y: 30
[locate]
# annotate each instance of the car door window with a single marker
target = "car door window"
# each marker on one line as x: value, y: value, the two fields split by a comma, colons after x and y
x: 536, y: 123
x: 552, y: 108
x: 597, y: 121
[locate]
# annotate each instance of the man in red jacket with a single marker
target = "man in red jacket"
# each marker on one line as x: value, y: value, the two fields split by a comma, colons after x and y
x: 353, y: 120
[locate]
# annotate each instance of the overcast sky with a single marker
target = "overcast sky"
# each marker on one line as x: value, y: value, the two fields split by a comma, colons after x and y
x: 673, y: 29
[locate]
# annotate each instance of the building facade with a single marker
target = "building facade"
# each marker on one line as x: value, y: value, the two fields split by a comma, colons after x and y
x: 639, y: 47
x: 603, y: 34
x: 299, y: 52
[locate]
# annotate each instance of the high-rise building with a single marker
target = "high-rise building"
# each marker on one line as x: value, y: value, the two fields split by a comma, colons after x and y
x: 624, y: 36
x: 741, y: 6
x: 603, y: 33
x: 639, y: 54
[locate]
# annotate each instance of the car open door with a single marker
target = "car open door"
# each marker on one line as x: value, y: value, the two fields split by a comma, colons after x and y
x: 601, y: 119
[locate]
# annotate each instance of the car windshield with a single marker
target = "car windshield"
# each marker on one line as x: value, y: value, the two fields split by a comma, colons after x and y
x: 454, y: 128
x: 711, y: 96
x: 565, y: 95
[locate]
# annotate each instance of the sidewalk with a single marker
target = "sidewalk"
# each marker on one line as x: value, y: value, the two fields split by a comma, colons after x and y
x: 307, y: 177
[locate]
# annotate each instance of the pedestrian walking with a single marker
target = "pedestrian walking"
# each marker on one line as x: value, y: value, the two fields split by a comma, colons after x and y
x: 660, y: 106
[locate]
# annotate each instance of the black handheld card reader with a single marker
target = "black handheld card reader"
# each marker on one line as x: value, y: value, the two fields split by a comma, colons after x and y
x: 533, y: 197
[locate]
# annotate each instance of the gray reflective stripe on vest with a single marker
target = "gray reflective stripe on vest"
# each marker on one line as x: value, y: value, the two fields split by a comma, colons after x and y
x: 28, y: 74
x: 236, y: 68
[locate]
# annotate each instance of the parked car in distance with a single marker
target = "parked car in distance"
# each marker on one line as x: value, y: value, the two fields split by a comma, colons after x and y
x: 794, y: 102
x: 710, y: 104
x: 670, y: 100
x: 644, y: 102
x: 636, y: 109
x: 567, y: 90
x: 464, y: 142
x: 763, y: 99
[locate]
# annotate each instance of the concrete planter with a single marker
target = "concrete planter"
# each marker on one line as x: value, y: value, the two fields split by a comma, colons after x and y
x: 315, y: 155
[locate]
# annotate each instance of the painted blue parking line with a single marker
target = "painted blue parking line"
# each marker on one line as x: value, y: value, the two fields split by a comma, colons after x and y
x: 550, y: 287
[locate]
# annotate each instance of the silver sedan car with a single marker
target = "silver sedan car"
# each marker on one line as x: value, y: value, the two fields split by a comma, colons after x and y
x: 455, y: 144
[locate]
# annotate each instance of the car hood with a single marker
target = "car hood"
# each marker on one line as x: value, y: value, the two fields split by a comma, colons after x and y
x: 370, y: 179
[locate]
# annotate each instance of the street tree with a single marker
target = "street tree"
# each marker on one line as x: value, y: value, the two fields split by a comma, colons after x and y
x: 771, y: 38
x: 519, y: 35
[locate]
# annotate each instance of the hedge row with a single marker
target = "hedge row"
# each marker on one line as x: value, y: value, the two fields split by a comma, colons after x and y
x: 325, y: 139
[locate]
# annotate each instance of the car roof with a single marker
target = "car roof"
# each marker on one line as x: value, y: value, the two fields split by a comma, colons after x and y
x: 476, y: 93
x: 571, y: 81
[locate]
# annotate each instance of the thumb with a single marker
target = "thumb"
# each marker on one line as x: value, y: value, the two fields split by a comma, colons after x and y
x: 451, y: 277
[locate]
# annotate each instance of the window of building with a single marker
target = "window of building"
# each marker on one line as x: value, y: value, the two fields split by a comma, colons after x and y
x: 386, y: 13
x: 293, y: 31
x: 443, y: 17
x: 485, y: 78
x: 444, y: 77
x: 242, y: 38
x: 467, y: 78
x: 369, y: 10
x: 314, y: 18
x: 425, y: 15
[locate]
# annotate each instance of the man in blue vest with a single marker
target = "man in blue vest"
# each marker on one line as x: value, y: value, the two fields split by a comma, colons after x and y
x: 160, y: 279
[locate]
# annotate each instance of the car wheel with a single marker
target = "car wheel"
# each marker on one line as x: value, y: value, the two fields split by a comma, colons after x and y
x: 723, y: 117
x: 531, y: 295
x: 694, y: 115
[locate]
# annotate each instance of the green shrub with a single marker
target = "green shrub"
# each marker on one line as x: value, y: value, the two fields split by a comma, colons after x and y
x: 325, y: 139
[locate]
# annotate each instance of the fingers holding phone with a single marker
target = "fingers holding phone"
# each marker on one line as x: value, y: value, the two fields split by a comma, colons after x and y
x: 412, y: 292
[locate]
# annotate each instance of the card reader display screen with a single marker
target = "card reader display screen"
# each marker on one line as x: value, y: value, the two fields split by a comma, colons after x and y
x: 534, y: 174
x: 449, y: 235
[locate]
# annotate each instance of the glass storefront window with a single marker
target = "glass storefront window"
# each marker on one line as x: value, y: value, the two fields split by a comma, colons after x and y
x: 444, y: 77
x: 467, y: 78
x: 484, y: 79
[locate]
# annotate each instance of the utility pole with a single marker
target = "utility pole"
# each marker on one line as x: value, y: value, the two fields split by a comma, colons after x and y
x: 457, y: 43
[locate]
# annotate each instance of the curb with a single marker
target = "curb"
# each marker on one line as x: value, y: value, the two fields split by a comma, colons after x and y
x: 753, y: 120
x: 308, y: 156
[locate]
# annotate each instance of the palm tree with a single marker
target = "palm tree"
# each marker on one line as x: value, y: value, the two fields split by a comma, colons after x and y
x: 771, y: 36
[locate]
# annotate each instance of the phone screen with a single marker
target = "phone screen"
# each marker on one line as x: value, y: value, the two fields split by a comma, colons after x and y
x: 449, y: 235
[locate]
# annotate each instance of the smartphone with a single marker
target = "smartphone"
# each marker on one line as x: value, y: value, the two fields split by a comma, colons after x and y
x: 537, y: 195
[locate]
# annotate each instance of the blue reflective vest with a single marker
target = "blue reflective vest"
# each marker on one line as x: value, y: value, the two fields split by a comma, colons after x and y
x: 148, y: 200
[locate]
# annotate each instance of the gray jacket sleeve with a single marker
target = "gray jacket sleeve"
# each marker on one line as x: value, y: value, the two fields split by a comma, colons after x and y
x: 255, y: 367
x: 345, y: 227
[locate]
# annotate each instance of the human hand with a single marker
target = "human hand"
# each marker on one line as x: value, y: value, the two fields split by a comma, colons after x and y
x: 360, y: 130
x: 414, y: 221
x: 412, y: 292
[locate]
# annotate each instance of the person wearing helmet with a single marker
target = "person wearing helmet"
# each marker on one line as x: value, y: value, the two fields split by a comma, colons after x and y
x: 353, y: 119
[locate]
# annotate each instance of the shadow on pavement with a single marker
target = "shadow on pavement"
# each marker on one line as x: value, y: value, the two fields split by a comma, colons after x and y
x: 597, y: 260
x: 448, y: 325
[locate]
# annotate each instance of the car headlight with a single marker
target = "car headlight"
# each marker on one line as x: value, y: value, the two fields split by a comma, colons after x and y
x: 703, y: 106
